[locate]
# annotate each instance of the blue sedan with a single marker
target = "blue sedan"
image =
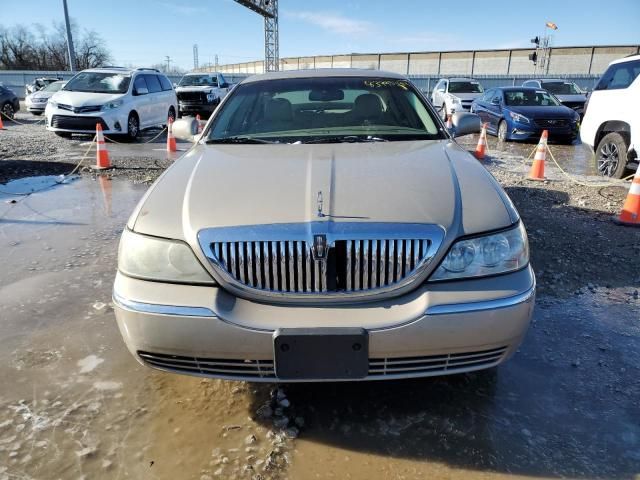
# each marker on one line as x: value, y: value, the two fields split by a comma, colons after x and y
x: 521, y: 113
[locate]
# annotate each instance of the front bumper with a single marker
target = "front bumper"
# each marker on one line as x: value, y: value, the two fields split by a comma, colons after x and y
x: 186, y: 107
x: 113, y: 121
x: 526, y: 131
x: 444, y: 328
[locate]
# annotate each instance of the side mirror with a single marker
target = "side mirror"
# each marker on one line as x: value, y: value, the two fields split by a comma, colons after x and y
x: 495, y: 101
x: 186, y: 129
x: 465, y: 123
x: 141, y: 91
x: 224, y: 85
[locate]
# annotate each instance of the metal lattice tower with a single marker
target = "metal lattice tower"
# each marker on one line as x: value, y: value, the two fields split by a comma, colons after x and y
x: 269, y: 10
x: 195, y: 57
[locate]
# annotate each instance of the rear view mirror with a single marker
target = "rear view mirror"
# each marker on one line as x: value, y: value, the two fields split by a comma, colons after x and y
x: 186, y: 129
x: 465, y: 123
x: 326, y: 95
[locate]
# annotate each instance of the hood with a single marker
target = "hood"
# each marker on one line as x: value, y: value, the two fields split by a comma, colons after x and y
x: 41, y: 94
x: 195, y: 88
x: 84, y: 99
x: 543, y: 112
x: 572, y: 98
x: 433, y: 182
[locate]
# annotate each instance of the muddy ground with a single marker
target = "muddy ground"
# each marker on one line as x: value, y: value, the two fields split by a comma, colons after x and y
x: 75, y: 404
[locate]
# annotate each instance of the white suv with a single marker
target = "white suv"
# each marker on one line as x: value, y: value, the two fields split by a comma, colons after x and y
x: 452, y: 95
x: 122, y: 100
x: 611, y: 124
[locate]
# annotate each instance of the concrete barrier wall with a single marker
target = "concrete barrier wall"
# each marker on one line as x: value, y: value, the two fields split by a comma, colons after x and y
x: 588, y: 60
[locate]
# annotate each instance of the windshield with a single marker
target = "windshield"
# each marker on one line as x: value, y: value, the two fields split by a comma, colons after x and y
x: 325, y: 110
x: 562, y: 88
x: 98, y: 82
x: 529, y: 98
x: 198, y: 81
x: 53, y: 87
x: 465, y: 87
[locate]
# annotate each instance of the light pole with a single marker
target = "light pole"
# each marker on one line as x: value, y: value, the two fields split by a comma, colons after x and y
x: 72, y: 53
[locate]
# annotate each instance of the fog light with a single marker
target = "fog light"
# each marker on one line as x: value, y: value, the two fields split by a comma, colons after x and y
x: 117, y: 127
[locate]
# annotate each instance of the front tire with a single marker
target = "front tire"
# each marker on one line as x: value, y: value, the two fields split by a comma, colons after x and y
x: 611, y: 155
x: 7, y: 111
x: 502, y: 131
x: 133, y: 127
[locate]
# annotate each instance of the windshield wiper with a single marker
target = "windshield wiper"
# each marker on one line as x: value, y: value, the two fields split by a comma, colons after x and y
x: 346, y: 139
x: 245, y: 140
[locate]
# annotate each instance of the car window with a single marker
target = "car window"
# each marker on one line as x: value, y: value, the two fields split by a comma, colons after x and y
x: 166, y: 84
x: 497, y: 96
x: 98, y: 82
x: 529, y: 98
x: 140, y: 82
x: 153, y: 83
x: 53, y: 87
x: 619, y: 75
x: 488, y: 95
x: 561, y: 88
x: 304, y: 109
x: 198, y: 81
x: 465, y: 87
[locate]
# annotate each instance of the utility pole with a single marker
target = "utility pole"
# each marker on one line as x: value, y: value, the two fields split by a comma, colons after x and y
x: 216, y: 57
x: 72, y: 53
x: 168, y: 60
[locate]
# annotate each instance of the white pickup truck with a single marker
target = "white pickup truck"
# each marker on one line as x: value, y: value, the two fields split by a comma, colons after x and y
x: 200, y: 93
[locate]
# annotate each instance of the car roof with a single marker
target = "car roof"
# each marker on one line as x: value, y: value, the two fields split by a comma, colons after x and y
x: 325, y: 73
x: 211, y: 74
x: 629, y: 58
x: 461, y: 79
x: 507, y: 89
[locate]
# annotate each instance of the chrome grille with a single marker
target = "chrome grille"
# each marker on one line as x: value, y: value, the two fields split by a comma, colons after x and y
x: 210, y: 366
x: 321, y: 260
x: 289, y: 266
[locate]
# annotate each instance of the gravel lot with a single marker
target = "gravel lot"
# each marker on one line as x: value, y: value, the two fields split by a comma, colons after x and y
x: 574, y: 243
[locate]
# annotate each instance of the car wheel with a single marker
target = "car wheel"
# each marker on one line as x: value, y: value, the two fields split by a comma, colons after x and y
x: 133, y: 127
x: 172, y: 114
x: 7, y: 111
x: 611, y: 155
x: 502, y: 131
x: 63, y: 134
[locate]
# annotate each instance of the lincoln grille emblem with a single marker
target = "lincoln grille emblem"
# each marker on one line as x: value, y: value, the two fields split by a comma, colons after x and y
x: 319, y: 249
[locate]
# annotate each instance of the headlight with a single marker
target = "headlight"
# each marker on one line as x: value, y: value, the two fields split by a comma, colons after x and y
x: 501, y: 252
x: 112, y: 105
x: 516, y: 117
x: 211, y: 97
x: 153, y: 258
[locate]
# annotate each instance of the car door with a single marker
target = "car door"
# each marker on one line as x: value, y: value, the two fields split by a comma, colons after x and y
x: 494, y: 110
x: 480, y: 107
x: 157, y: 103
x: 141, y: 100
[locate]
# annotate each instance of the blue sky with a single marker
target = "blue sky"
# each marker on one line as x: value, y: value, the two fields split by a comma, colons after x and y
x: 142, y: 32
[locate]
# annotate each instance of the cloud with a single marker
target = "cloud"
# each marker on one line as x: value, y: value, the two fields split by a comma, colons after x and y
x: 334, y: 23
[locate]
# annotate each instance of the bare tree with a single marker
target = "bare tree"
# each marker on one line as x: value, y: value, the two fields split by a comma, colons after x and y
x: 21, y: 49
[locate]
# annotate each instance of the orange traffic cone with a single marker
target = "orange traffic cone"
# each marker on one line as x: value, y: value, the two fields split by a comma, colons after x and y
x: 537, y: 169
x: 449, y: 121
x: 171, y: 141
x: 199, y: 123
x: 630, y: 214
x: 1, y: 124
x: 102, y: 155
x: 482, y: 143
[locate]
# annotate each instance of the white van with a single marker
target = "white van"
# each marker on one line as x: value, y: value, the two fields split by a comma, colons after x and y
x: 122, y: 100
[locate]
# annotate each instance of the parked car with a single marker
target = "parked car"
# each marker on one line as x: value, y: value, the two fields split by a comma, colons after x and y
x: 9, y: 103
x: 123, y: 100
x: 452, y: 95
x: 569, y: 94
x: 37, y: 101
x: 611, y: 124
x: 38, y: 84
x: 522, y: 113
x: 325, y: 226
x: 200, y: 93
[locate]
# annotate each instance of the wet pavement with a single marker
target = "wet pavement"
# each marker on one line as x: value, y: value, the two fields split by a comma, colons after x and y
x: 75, y: 404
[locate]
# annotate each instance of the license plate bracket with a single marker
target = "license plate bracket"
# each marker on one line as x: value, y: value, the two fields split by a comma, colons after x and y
x: 321, y: 353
